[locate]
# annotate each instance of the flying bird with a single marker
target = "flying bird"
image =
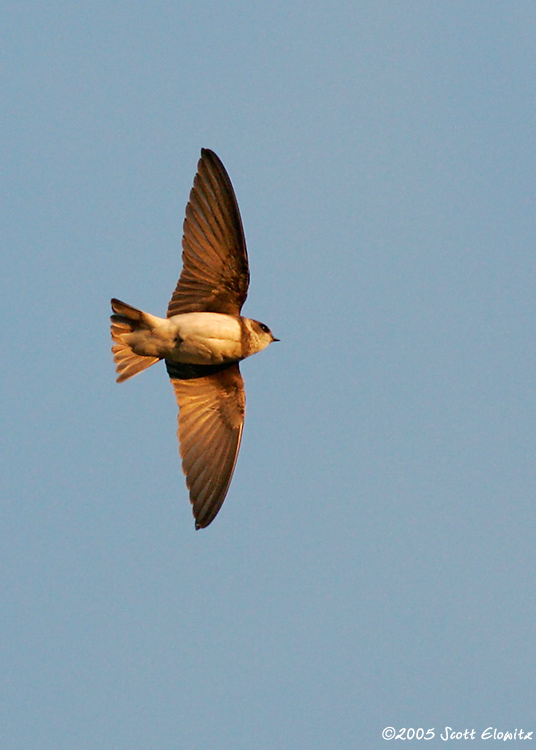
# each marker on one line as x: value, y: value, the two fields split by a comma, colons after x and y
x: 202, y: 339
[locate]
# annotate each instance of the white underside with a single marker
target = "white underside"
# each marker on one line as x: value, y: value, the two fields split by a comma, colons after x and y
x: 200, y: 338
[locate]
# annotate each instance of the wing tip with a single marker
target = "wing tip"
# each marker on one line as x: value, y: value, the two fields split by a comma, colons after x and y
x: 202, y: 523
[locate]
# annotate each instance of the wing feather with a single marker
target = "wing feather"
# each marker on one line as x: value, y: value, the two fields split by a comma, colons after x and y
x: 211, y: 419
x: 215, y: 274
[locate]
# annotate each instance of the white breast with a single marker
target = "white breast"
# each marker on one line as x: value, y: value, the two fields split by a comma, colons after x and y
x: 205, y: 338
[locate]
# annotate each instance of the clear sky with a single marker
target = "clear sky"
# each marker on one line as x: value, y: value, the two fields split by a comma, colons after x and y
x: 374, y: 562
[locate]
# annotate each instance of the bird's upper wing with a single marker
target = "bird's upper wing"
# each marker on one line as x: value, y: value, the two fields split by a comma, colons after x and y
x: 211, y: 418
x: 215, y: 275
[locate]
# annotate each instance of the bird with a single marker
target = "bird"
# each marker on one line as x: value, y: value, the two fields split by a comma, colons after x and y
x: 202, y: 339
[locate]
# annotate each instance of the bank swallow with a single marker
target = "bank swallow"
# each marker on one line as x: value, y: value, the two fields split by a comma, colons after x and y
x: 202, y: 339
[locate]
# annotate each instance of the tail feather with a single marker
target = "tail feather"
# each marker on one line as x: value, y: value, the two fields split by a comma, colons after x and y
x: 125, y: 320
x: 127, y: 312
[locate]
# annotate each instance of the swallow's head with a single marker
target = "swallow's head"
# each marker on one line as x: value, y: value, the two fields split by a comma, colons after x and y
x: 260, y: 335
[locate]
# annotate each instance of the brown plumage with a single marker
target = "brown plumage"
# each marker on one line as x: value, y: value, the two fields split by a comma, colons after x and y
x: 203, y: 338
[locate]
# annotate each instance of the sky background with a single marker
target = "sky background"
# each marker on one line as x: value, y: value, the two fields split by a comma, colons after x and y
x: 374, y: 562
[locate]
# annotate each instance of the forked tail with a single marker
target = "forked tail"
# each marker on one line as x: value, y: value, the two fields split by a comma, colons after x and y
x: 125, y: 320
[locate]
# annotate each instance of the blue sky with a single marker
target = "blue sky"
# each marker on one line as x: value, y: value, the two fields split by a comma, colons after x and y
x: 373, y: 564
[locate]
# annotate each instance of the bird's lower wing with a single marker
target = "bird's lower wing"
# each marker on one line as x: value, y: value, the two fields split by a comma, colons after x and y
x: 211, y: 418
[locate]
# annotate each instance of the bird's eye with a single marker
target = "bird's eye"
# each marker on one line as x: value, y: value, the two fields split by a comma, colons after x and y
x: 264, y: 328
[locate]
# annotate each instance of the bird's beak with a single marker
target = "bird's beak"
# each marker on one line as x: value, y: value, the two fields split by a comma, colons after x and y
x: 274, y: 339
